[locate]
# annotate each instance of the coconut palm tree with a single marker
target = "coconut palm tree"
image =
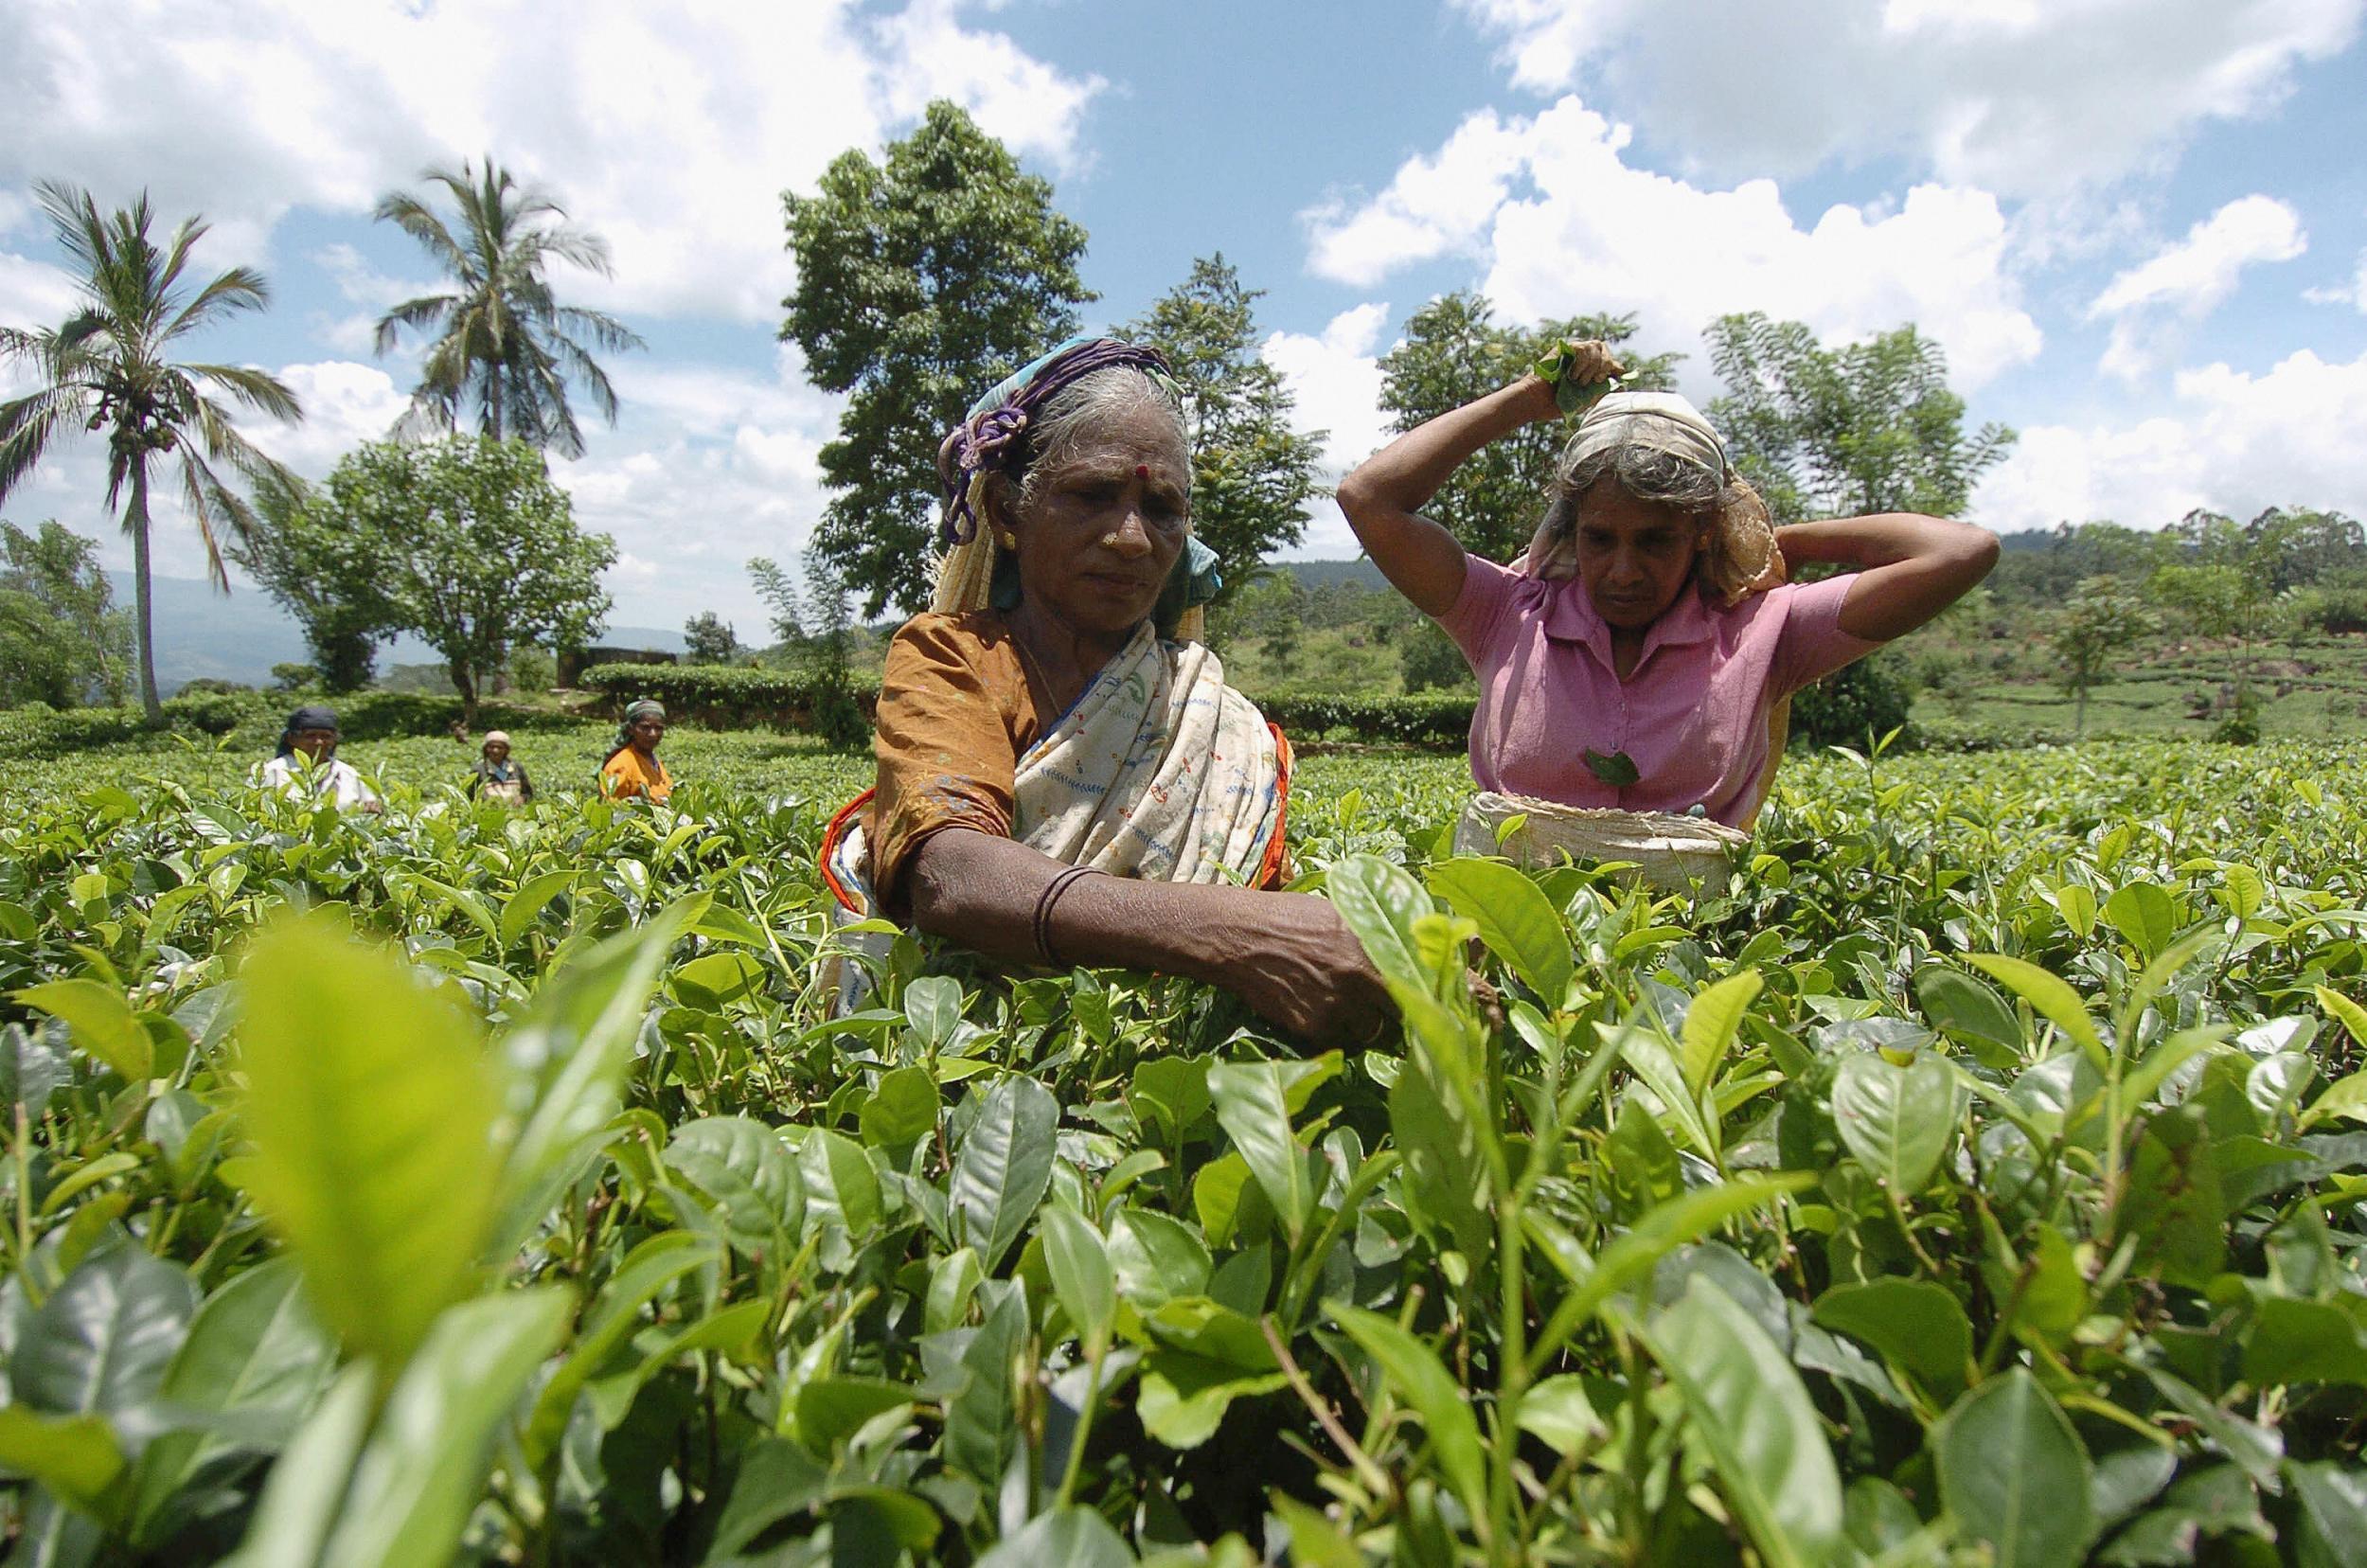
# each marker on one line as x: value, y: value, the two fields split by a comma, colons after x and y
x: 500, y: 346
x: 107, y: 367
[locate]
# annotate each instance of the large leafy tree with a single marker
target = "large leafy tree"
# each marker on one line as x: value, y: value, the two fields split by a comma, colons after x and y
x: 1251, y: 473
x: 1455, y: 350
x: 109, y: 368
x: 61, y: 635
x: 325, y: 576
x: 501, y: 349
x: 921, y: 280
x: 1867, y: 427
x: 472, y: 546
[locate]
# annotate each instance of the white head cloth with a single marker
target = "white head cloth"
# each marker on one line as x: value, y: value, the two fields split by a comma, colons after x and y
x: 1658, y: 421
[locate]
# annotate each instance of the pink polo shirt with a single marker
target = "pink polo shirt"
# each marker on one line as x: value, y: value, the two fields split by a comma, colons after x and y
x: 1691, y: 716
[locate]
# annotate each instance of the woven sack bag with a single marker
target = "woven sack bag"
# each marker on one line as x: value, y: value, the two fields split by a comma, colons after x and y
x: 1673, y: 853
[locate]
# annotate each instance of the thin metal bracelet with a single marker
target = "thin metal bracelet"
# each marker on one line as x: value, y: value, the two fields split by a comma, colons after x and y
x: 1048, y: 900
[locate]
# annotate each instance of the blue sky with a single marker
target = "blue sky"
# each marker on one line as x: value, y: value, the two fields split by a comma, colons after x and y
x: 2137, y: 226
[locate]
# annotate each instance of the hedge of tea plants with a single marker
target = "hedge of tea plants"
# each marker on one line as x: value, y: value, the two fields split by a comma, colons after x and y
x: 1976, y: 1179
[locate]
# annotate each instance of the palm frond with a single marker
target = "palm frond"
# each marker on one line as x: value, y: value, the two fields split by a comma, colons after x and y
x: 239, y: 289
x: 420, y: 314
x: 26, y: 426
x: 176, y: 259
x: 585, y: 368
x: 421, y: 222
x: 74, y: 222
x: 258, y: 389
x: 605, y: 330
x: 204, y: 494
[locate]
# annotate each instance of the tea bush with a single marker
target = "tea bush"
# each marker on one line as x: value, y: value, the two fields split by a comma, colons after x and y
x: 1977, y: 1181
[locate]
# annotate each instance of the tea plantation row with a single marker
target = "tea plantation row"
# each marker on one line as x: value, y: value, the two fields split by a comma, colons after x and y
x: 1977, y: 1181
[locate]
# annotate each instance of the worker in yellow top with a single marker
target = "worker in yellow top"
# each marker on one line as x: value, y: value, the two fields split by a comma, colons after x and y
x: 632, y: 768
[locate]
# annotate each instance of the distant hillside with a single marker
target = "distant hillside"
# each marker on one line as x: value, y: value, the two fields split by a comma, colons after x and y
x: 239, y: 636
x: 1312, y: 575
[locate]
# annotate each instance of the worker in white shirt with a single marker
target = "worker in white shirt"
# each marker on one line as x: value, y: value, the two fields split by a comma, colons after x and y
x: 307, y: 763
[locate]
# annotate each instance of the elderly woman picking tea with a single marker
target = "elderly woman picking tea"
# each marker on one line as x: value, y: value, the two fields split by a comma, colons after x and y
x: 1635, y: 656
x: 1063, y: 775
x: 632, y: 768
x: 499, y: 776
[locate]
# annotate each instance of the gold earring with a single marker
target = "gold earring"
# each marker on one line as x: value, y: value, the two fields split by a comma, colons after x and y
x: 1010, y: 540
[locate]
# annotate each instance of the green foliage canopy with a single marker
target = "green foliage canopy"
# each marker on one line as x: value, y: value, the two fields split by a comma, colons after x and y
x: 325, y: 576
x: 1868, y: 427
x: 470, y: 546
x: 921, y: 280
x: 61, y: 634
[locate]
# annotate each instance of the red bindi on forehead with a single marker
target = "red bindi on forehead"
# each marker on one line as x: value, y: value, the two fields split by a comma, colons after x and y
x: 1142, y: 471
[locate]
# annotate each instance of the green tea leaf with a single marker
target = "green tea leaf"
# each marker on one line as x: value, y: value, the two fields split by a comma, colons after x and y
x: 100, y: 1344
x: 2304, y: 1342
x: 1750, y: 1416
x: 902, y: 1110
x: 1083, y: 1278
x: 1897, y: 1120
x: 2050, y: 997
x: 840, y: 1182
x: 1065, y: 1538
x: 748, y: 1171
x: 2144, y: 914
x: 1958, y: 1004
x: 1711, y: 1024
x: 1004, y: 1165
x: 419, y: 1476
x: 1249, y: 1098
x: 1379, y: 903
x: 370, y: 1101
x: 568, y: 1054
x: 254, y: 1349
x: 1416, y: 1375
x: 1514, y: 918
x: 101, y: 1022
x: 77, y: 1457
x: 1617, y: 769
x: 2173, y: 1202
x: 2015, y: 1475
x: 1914, y: 1323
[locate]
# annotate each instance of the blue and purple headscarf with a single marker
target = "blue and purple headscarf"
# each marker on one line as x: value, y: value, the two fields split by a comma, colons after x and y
x: 990, y: 439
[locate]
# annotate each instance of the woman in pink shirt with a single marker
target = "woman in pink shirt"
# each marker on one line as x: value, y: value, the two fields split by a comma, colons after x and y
x: 1631, y: 657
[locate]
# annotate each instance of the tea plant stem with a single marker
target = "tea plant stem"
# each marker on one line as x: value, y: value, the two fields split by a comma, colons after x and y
x: 24, y: 1197
x: 1375, y: 1480
x: 1513, y: 1385
x: 1084, y: 1424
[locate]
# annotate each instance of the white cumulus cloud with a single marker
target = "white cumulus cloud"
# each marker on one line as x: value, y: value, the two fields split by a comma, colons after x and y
x: 2016, y: 96
x: 672, y: 130
x: 2230, y: 441
x: 1573, y: 227
x: 2186, y: 281
x: 1334, y: 377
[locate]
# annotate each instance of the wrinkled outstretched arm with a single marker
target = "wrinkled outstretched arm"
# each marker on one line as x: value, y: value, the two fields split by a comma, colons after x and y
x: 1287, y: 954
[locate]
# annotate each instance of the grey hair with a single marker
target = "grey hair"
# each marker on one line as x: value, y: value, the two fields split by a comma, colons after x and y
x: 1740, y: 538
x: 1074, y: 416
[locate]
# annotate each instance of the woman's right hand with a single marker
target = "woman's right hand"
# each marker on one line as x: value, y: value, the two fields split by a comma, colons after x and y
x: 1308, y: 974
x: 1590, y: 363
